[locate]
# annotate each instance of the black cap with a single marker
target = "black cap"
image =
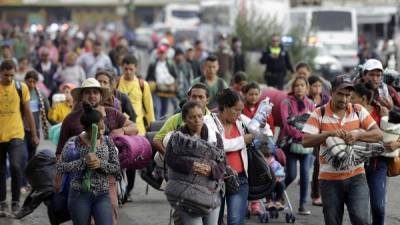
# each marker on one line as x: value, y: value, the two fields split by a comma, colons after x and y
x: 342, y: 82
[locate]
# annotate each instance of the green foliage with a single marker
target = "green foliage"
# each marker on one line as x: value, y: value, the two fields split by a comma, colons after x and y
x: 254, y: 31
x: 299, y: 50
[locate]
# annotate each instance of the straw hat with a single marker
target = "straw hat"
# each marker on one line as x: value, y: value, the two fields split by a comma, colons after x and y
x: 89, y: 83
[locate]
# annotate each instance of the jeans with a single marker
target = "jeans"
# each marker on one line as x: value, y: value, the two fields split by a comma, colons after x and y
x: 210, y: 219
x: 14, y: 150
x: 353, y: 192
x: 237, y: 203
x: 130, y: 175
x: 276, y: 80
x: 28, y: 153
x: 315, y: 174
x: 164, y: 103
x: 291, y: 172
x: 376, y: 170
x: 222, y: 211
x: 82, y: 205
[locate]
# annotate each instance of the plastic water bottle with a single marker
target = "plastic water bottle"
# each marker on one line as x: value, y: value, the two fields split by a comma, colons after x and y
x: 264, y: 109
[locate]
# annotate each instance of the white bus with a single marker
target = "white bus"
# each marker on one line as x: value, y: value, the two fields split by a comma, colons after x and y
x: 334, y: 28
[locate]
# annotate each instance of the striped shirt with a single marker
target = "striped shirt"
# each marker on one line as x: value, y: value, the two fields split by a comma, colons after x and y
x: 360, y: 118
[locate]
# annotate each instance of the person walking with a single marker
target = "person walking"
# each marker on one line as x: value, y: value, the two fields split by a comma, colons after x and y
x: 277, y: 63
x: 319, y: 98
x: 210, y: 78
x: 231, y: 124
x: 342, y: 186
x: 14, y: 103
x: 103, y: 162
x: 296, y: 105
x: 376, y: 167
x: 208, y: 170
x: 115, y: 123
x: 138, y: 91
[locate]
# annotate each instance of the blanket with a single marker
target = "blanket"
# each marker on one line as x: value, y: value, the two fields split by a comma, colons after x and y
x: 343, y: 156
x: 134, y: 151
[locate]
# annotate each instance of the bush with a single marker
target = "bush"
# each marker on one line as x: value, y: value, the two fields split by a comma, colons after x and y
x: 255, y: 32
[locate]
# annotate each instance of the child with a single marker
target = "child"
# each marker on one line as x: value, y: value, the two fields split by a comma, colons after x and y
x: 275, y: 199
x: 60, y: 110
x: 239, y: 80
x: 251, y: 93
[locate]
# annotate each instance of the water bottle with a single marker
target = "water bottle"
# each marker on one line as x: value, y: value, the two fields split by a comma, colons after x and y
x: 264, y: 109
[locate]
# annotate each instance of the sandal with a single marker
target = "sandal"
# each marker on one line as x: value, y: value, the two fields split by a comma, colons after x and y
x: 317, y: 202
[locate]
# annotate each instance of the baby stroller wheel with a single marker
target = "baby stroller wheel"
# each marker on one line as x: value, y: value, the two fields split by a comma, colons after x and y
x: 287, y: 218
x: 263, y: 217
x: 293, y: 219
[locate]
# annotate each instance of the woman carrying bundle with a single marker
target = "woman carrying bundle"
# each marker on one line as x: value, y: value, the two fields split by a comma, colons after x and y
x: 196, y: 167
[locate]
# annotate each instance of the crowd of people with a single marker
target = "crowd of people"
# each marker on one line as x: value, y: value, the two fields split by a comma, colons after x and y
x: 45, y: 82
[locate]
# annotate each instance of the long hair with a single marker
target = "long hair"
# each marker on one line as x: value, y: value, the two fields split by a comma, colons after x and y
x: 293, y: 82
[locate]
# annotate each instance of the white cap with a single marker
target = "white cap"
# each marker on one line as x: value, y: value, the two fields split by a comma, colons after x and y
x: 372, y: 64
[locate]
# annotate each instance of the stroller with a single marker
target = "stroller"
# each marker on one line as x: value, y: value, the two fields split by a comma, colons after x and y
x: 274, y: 162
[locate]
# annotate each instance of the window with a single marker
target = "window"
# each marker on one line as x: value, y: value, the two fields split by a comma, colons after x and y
x: 331, y: 21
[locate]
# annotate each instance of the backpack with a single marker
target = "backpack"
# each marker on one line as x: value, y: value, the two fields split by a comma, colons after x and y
x: 141, y: 85
x: 18, y: 86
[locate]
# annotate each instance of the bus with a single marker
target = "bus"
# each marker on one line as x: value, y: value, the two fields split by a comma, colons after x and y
x: 334, y: 28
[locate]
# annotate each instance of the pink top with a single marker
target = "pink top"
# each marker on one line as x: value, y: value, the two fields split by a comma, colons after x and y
x: 287, y: 129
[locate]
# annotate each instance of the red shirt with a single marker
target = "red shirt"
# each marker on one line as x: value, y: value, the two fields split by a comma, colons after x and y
x: 233, y: 158
x: 375, y: 115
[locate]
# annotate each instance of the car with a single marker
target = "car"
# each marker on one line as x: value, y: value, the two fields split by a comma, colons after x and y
x: 325, y: 64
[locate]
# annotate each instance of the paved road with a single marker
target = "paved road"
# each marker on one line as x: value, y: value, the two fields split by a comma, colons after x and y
x: 153, y: 209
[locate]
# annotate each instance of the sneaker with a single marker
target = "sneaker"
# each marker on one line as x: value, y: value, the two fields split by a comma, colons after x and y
x: 4, y: 211
x: 15, y: 207
x: 317, y: 202
x: 303, y: 211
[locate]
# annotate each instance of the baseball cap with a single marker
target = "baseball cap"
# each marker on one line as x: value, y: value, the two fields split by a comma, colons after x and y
x: 162, y: 49
x: 372, y: 64
x: 342, y: 82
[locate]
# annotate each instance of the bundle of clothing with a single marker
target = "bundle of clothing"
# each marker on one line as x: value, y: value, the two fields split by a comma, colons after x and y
x: 391, y: 131
x: 343, y: 156
x: 193, y: 193
x: 299, y: 121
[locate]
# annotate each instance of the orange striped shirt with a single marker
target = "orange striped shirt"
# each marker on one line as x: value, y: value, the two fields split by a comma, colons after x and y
x: 330, y: 122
